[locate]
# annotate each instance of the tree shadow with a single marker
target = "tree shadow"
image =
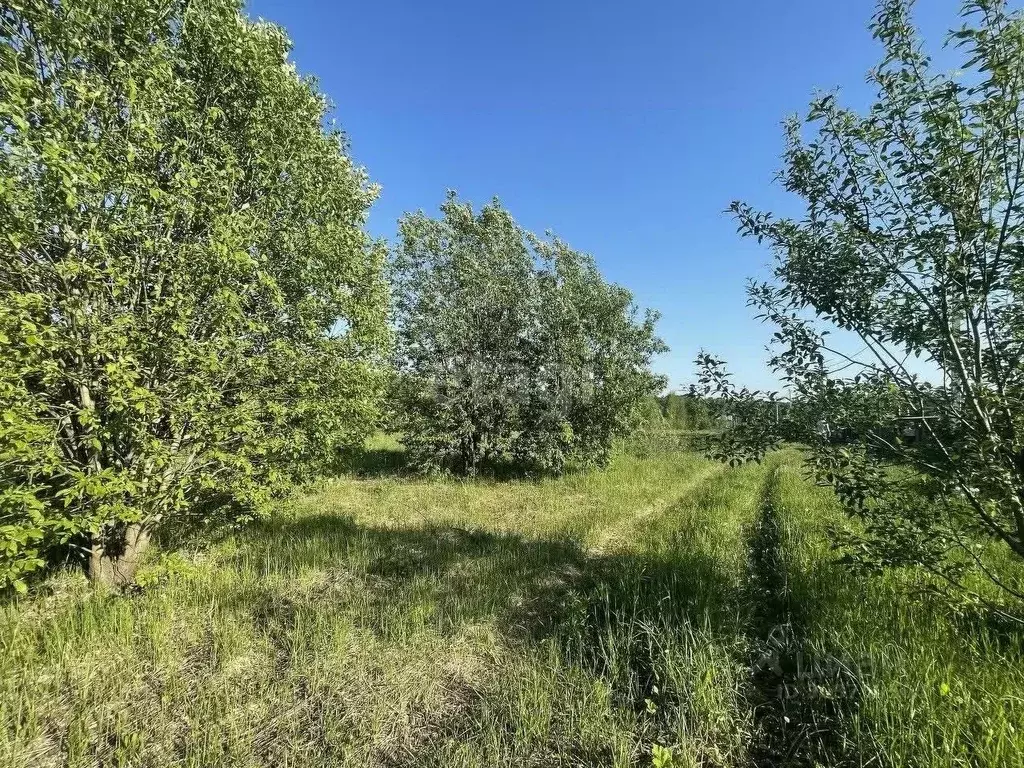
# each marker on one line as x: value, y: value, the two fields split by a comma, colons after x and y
x: 375, y: 461
x: 803, y: 698
x: 392, y: 460
x: 999, y: 628
x: 615, y: 615
x: 608, y: 613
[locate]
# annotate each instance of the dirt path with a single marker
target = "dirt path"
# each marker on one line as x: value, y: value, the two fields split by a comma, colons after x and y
x: 618, y: 531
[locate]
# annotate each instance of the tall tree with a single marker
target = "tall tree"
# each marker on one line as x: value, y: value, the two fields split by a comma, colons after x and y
x: 181, y: 236
x: 911, y: 243
x: 511, y: 348
x: 676, y: 413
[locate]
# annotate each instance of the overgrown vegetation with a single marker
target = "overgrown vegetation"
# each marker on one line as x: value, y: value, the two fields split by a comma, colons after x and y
x: 912, y: 243
x: 586, y: 620
x: 688, y: 412
x: 194, y: 324
x: 681, y: 412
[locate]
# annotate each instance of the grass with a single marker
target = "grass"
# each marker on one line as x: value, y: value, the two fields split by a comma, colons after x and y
x: 390, y: 621
x: 921, y: 684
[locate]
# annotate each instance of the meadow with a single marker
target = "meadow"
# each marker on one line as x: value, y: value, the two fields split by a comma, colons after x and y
x: 669, y: 611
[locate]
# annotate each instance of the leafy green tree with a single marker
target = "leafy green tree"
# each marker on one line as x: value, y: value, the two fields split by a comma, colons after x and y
x: 510, y: 348
x: 676, y: 413
x: 687, y: 411
x: 652, y: 414
x: 181, y: 239
x: 703, y: 413
x: 912, y: 244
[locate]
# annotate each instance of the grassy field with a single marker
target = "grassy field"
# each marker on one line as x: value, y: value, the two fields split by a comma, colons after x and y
x: 587, y: 621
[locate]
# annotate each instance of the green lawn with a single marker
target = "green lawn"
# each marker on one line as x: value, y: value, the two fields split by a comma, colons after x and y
x: 573, y: 622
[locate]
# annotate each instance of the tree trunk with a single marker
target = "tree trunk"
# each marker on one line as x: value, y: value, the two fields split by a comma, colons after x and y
x: 115, y: 557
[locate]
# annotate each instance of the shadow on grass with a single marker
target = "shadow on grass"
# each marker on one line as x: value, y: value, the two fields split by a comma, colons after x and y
x: 629, y: 619
x: 390, y: 459
x: 613, y: 615
x: 802, y: 698
x: 377, y: 461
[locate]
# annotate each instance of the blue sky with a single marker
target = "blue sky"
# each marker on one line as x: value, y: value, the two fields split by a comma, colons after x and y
x: 627, y: 128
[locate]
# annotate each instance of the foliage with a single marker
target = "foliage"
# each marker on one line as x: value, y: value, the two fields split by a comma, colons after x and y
x: 912, y: 244
x: 511, y: 348
x: 180, y: 236
x: 662, y: 757
x: 651, y: 415
x: 687, y: 411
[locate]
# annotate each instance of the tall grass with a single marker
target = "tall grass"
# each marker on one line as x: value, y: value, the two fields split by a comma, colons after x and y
x: 393, y: 621
x: 914, y: 679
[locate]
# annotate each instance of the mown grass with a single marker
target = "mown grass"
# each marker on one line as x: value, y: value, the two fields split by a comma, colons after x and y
x: 392, y: 621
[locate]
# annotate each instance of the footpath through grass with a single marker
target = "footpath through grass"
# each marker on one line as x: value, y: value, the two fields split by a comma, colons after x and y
x: 579, y: 622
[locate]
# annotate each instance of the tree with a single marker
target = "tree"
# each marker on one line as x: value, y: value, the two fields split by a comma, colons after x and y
x: 510, y: 348
x: 911, y: 243
x: 687, y: 412
x: 676, y: 413
x: 181, y: 235
x: 652, y: 415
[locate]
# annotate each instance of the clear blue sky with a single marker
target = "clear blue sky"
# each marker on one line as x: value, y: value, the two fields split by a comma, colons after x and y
x: 625, y: 127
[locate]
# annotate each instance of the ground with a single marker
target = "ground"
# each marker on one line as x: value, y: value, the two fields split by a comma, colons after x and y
x: 388, y: 621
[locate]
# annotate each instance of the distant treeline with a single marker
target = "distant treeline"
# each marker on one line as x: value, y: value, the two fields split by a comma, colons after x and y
x: 686, y: 412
